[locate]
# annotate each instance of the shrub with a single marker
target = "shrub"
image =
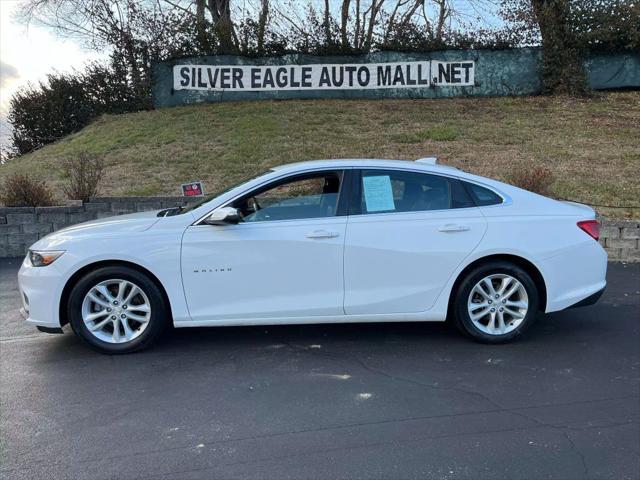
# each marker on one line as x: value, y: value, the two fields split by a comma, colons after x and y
x: 83, y: 172
x: 535, y: 179
x: 44, y: 113
x: 65, y: 103
x: 20, y: 190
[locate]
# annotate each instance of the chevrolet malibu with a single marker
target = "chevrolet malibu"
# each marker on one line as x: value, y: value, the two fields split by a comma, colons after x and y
x: 320, y: 242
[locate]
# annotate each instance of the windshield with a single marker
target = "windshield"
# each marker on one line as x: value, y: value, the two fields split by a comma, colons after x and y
x: 211, y: 196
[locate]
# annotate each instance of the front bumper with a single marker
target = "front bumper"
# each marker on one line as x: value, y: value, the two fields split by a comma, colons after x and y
x: 40, y: 289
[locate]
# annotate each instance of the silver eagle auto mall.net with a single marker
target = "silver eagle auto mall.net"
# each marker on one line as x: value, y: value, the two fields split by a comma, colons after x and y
x: 320, y: 77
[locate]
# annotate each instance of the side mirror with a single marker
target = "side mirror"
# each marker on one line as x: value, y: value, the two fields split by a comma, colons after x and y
x: 223, y: 216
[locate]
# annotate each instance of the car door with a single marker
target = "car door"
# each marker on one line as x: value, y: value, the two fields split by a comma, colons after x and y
x: 406, y: 234
x: 283, y: 259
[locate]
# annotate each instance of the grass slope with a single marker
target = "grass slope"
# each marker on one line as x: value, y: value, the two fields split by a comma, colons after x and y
x: 593, y: 146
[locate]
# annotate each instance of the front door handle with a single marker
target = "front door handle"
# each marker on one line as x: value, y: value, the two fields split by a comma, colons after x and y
x: 453, y: 227
x: 322, y: 234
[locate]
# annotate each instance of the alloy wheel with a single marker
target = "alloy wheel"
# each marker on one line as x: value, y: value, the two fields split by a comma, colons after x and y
x: 498, y: 304
x: 116, y: 311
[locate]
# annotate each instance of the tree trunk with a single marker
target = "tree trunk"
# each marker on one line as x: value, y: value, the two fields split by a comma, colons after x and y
x: 201, y: 24
x: 130, y: 57
x: 262, y: 24
x: 562, y: 68
x: 442, y: 16
x: 344, y: 24
x: 326, y: 23
x: 390, y: 22
x: 223, y: 25
x: 356, y: 39
x: 375, y: 9
x: 407, y: 16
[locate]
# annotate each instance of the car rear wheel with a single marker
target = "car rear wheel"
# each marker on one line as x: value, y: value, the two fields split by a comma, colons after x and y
x: 117, y: 309
x: 496, y: 302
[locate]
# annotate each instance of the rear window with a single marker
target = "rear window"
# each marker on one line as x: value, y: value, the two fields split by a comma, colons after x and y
x: 482, y: 196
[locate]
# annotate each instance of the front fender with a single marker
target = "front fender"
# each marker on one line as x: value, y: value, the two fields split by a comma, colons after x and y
x: 155, y: 252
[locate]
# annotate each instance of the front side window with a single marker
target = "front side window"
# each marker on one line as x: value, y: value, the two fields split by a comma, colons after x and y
x: 385, y: 191
x: 312, y: 195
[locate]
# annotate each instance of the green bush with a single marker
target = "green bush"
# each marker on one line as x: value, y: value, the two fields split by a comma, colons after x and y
x: 67, y: 102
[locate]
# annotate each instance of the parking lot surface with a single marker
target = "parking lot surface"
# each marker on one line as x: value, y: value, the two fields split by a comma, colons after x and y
x: 404, y: 400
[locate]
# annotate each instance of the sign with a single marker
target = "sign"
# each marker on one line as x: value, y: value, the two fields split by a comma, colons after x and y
x: 194, y: 189
x: 357, y: 76
x: 373, y: 76
x: 378, y: 194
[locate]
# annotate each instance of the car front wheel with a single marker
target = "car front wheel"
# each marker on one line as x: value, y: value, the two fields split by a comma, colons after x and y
x: 496, y: 302
x: 117, y: 309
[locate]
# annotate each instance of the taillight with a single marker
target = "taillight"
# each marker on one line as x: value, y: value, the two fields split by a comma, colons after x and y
x: 591, y: 227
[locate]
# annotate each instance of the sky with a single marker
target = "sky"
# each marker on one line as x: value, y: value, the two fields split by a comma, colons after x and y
x: 27, y: 54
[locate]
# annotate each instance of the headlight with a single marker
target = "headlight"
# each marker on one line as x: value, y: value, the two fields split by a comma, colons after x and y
x: 43, y: 258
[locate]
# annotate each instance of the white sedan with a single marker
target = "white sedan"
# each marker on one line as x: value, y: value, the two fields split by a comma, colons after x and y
x: 319, y: 242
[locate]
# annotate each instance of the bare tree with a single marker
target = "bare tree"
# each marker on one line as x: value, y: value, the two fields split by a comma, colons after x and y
x: 223, y: 25
x: 443, y: 14
x: 97, y: 22
x: 326, y: 22
x: 213, y: 25
x: 373, y: 11
x: 262, y: 24
x: 399, y: 19
x: 201, y: 22
x: 376, y: 20
x: 344, y: 22
x: 562, y: 67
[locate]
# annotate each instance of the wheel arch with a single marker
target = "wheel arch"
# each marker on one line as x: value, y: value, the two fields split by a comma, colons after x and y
x: 522, y: 262
x: 64, y: 297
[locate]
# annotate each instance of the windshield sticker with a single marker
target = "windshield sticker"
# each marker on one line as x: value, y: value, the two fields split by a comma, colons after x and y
x: 378, y: 194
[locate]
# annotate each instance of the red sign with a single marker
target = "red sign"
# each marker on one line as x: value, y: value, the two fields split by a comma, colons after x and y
x: 194, y: 189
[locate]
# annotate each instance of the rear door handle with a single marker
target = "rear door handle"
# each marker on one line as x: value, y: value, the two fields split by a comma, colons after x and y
x: 322, y: 234
x: 453, y: 227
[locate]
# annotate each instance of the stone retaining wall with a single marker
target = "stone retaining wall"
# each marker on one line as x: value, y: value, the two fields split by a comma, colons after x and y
x: 22, y: 226
x: 621, y: 240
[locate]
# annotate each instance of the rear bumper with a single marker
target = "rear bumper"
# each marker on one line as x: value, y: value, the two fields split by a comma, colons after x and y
x: 574, y: 275
x: 590, y: 300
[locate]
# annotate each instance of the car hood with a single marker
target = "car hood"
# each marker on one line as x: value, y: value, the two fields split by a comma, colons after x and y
x: 121, y: 224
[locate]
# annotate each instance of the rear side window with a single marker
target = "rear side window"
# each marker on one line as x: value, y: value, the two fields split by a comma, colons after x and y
x: 482, y: 196
x: 386, y: 191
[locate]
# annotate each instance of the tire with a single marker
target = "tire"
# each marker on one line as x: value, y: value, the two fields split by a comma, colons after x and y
x: 474, y: 297
x: 140, y: 316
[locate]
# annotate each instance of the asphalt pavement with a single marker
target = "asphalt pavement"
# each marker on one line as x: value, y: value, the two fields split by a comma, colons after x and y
x: 403, y: 400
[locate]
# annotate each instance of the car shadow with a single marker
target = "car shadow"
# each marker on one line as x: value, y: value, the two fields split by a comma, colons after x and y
x: 312, y: 336
x: 552, y: 330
